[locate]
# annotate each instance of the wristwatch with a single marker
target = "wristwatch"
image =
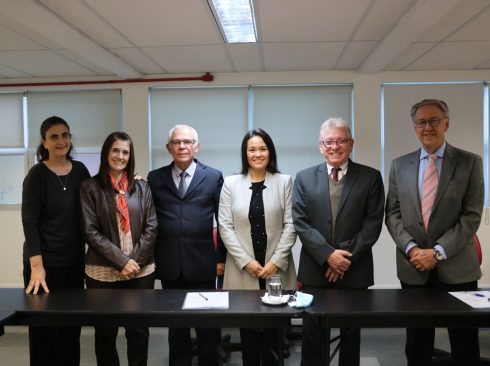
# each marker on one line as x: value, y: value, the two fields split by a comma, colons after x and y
x: 438, y: 255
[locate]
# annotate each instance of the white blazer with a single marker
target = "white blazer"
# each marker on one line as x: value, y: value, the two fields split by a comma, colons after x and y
x: 235, y: 229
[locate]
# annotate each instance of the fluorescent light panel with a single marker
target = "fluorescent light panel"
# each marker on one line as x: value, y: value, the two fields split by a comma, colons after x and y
x: 237, y: 20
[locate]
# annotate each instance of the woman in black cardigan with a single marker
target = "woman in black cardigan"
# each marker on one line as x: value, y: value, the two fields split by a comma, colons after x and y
x: 54, y: 247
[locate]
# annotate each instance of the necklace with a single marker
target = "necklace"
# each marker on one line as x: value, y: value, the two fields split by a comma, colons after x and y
x: 66, y: 180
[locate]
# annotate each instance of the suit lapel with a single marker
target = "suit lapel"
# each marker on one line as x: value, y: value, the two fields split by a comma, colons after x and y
x: 268, y: 195
x: 324, y: 191
x: 410, y: 177
x: 350, y: 179
x: 245, y: 184
x: 168, y: 180
x: 448, y: 165
x: 198, y: 177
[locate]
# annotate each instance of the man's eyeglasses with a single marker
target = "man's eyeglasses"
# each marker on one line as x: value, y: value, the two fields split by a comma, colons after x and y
x: 186, y: 143
x: 433, y: 122
x: 330, y: 143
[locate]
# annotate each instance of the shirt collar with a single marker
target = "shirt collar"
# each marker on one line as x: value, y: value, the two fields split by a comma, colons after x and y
x: 191, y: 169
x: 439, y: 152
x: 343, y: 167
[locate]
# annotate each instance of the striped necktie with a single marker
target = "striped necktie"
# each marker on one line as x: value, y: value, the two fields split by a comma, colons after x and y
x: 431, y: 180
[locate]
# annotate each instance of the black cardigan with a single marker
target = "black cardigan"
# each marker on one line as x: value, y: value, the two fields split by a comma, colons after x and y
x: 50, y: 215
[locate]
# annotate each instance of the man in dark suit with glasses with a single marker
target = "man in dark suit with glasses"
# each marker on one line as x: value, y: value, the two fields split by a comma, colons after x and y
x: 338, y: 214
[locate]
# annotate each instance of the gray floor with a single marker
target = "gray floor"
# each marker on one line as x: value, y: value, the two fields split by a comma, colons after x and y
x: 379, y: 347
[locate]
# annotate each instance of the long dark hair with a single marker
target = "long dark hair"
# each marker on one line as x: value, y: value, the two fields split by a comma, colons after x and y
x: 103, y: 177
x: 272, y: 165
x: 41, y: 152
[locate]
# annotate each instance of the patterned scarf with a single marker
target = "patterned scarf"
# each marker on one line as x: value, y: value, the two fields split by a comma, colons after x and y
x: 122, y: 205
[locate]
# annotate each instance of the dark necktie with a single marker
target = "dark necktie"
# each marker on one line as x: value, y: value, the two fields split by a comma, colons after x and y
x: 182, y: 184
x: 335, y: 174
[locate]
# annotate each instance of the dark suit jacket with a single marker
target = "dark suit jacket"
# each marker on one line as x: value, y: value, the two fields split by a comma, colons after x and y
x: 358, y: 223
x: 454, y: 220
x: 185, y: 226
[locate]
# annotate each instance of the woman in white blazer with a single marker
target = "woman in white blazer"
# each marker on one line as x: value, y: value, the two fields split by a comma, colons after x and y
x: 256, y: 226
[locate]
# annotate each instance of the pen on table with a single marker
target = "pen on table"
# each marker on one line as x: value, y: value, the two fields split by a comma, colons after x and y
x: 479, y: 295
x: 204, y: 297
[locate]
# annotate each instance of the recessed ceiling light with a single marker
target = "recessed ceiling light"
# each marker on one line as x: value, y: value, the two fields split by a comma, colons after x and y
x: 236, y: 20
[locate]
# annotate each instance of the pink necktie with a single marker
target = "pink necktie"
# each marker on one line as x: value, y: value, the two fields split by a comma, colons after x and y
x: 431, y: 180
x: 335, y: 174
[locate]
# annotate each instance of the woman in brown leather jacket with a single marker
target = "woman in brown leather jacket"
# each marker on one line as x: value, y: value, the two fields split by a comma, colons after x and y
x: 120, y: 225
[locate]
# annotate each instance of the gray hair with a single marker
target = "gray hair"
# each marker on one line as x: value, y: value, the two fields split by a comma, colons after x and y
x: 435, y: 102
x: 335, y: 122
x: 193, y: 130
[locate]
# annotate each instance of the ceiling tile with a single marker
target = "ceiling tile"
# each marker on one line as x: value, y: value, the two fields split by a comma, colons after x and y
x: 461, y: 13
x: 308, y: 20
x: 27, y: 33
x: 410, y: 54
x: 181, y: 36
x: 46, y: 64
x: 355, y: 54
x: 160, y: 23
x: 81, y: 16
x: 476, y: 30
x: 9, y: 72
x: 381, y: 19
x: 454, y: 56
x: 13, y: 41
x: 191, y: 59
x: 83, y: 62
x: 301, y: 56
x: 245, y: 57
x: 485, y: 65
x: 139, y: 60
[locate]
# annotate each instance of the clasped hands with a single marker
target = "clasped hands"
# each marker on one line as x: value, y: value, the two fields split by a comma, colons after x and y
x: 131, y: 269
x: 422, y: 259
x: 338, y: 263
x: 256, y: 270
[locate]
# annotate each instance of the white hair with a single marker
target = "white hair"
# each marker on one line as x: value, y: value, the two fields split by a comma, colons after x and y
x: 193, y: 130
x: 335, y: 122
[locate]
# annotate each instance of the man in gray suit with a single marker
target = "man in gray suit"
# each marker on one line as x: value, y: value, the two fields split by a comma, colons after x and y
x: 338, y: 214
x: 432, y: 218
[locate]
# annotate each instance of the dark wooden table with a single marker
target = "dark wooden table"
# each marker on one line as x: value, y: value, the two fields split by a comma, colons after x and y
x: 156, y: 308
x: 163, y: 308
x: 140, y: 307
x: 381, y: 308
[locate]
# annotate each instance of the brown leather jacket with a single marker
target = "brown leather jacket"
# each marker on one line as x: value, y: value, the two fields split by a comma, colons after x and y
x: 99, y: 225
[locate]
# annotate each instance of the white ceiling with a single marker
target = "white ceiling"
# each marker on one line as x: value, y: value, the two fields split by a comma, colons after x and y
x: 134, y: 39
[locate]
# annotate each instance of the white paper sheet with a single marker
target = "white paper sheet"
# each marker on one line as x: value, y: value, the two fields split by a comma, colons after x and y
x: 475, y: 299
x: 206, y: 300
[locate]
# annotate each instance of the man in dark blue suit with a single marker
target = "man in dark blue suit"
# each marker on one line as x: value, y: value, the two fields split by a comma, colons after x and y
x: 186, y: 195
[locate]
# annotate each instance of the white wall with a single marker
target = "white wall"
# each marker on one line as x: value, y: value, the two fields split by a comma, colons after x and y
x: 367, y: 144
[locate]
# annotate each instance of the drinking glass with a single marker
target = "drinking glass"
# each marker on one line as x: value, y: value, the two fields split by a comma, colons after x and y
x: 274, y: 285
